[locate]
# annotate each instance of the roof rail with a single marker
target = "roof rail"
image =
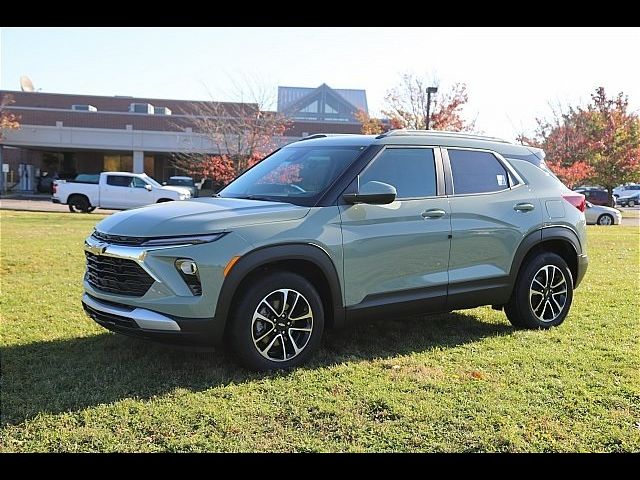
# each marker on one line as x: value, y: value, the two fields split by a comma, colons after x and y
x: 322, y: 135
x: 439, y: 133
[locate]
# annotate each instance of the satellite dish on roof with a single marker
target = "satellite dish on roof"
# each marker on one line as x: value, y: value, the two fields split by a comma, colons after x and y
x: 26, y: 85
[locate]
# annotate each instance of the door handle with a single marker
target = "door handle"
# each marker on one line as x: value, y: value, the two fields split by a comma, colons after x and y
x: 523, y: 207
x: 433, y: 213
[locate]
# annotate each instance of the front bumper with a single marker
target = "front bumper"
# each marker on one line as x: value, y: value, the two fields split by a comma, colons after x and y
x: 583, y: 263
x: 143, y: 323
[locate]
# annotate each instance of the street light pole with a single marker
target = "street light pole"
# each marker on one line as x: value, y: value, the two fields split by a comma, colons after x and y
x: 430, y: 90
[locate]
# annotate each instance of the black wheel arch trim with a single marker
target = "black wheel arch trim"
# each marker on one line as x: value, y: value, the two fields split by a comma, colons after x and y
x: 537, y: 237
x: 276, y: 253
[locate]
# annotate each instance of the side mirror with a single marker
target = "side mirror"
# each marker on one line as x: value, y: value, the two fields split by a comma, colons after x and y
x: 375, y: 193
x: 148, y: 187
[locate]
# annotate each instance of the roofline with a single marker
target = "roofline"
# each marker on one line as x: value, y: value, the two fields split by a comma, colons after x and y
x: 439, y: 133
x: 124, y: 97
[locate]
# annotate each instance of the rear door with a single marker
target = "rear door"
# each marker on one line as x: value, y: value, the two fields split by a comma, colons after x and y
x: 492, y: 210
x: 398, y: 253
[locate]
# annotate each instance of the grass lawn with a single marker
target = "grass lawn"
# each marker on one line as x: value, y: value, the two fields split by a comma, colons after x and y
x: 460, y: 382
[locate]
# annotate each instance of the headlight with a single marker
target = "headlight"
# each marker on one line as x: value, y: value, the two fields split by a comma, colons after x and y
x: 184, y: 240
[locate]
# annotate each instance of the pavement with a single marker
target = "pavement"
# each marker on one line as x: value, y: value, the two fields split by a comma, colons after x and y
x: 43, y: 203
x: 39, y: 203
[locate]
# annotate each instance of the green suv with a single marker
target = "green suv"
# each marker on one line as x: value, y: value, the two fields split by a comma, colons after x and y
x: 336, y: 228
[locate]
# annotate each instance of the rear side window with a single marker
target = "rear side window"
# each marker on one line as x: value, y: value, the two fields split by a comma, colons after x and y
x: 411, y: 170
x: 118, y: 181
x: 476, y: 172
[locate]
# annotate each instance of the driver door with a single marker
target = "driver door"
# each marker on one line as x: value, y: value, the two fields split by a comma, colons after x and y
x: 138, y: 193
x: 399, y: 253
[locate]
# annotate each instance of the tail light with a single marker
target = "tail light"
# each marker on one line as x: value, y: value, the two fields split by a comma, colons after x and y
x: 55, y: 187
x: 576, y: 199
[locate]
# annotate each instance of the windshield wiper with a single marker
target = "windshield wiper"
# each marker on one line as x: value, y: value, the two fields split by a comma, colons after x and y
x: 257, y: 197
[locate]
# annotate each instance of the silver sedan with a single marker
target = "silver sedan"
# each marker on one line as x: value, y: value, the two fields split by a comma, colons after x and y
x: 601, y: 215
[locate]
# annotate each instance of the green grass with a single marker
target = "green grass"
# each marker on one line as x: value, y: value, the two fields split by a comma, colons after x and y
x: 460, y: 382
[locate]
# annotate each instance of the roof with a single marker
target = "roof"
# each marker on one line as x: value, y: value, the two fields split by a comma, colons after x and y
x: 287, y: 96
x: 422, y: 137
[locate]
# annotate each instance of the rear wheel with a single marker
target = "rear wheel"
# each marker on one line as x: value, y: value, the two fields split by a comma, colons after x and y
x: 605, y: 219
x: 632, y: 203
x: 543, y: 293
x: 79, y: 203
x: 278, y: 322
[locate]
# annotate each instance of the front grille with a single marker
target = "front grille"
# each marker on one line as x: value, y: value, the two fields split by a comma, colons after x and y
x: 118, y: 239
x: 117, y: 275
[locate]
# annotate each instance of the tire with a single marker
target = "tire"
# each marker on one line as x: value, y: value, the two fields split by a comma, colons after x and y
x: 523, y: 309
x: 605, y: 219
x: 258, y: 343
x: 79, y: 203
x: 92, y: 209
x: 163, y: 200
x: 631, y: 203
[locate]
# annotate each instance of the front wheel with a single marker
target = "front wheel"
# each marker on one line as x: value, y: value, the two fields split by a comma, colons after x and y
x: 605, y: 219
x: 278, y: 322
x: 543, y: 293
x: 632, y: 203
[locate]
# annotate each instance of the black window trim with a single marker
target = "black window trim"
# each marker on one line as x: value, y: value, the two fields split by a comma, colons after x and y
x: 439, y: 170
x: 505, y: 164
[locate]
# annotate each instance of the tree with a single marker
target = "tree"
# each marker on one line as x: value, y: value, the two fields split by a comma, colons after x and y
x: 8, y: 121
x: 599, y: 143
x: 242, y: 132
x: 370, y: 126
x: 406, y: 105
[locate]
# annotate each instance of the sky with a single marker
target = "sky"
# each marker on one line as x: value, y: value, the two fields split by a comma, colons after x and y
x: 513, y: 75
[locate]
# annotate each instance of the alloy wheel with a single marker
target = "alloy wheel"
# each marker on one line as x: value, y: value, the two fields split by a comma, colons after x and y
x: 282, y: 325
x: 605, y: 220
x: 548, y: 293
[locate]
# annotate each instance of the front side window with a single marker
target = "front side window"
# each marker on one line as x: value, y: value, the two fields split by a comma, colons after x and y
x: 296, y: 174
x: 476, y: 172
x: 411, y: 170
x: 138, y: 182
x: 118, y: 181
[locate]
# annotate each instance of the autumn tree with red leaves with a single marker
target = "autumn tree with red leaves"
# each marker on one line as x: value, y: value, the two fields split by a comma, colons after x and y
x: 406, y: 106
x: 370, y: 125
x: 243, y: 133
x: 8, y: 121
x: 599, y: 143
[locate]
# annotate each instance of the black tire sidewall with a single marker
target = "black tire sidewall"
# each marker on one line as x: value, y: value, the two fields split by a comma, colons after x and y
x: 520, y: 311
x: 240, y: 333
x: 79, y: 204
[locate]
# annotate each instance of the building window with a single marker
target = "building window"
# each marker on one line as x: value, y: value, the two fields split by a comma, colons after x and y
x: 311, y: 108
x: 118, y: 163
x: 329, y: 109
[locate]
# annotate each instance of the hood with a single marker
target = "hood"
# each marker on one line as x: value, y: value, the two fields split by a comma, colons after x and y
x: 202, y: 215
x: 177, y: 189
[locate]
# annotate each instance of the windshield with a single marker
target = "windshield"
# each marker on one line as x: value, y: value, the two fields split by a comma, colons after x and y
x: 182, y: 182
x: 151, y: 180
x: 297, y: 174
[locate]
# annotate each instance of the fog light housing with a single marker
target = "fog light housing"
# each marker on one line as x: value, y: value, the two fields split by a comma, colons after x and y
x: 188, y: 270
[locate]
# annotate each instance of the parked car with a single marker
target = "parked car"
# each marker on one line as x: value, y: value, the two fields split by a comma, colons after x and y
x: 626, y: 190
x: 601, y: 215
x: 596, y: 196
x: 332, y: 229
x: 115, y: 190
x: 186, y: 182
x: 45, y: 183
x: 629, y: 200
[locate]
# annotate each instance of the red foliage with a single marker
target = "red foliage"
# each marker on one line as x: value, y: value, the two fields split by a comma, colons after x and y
x: 284, y: 174
x: 219, y: 168
x: 572, y: 175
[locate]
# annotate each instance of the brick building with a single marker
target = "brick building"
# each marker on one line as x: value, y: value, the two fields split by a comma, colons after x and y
x: 69, y: 134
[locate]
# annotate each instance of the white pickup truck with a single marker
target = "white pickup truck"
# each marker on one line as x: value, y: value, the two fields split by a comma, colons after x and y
x: 114, y: 190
